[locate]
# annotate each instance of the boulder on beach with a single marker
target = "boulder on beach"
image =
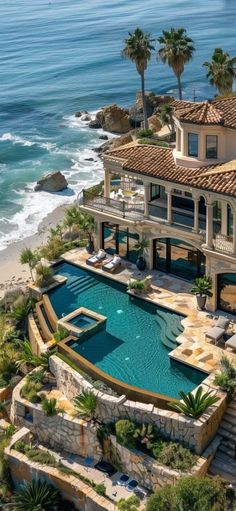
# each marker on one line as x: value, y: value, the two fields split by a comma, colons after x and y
x: 114, y: 119
x: 95, y: 125
x: 53, y: 182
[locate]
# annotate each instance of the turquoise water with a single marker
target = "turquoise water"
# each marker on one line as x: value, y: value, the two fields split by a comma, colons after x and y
x: 131, y: 348
x: 58, y: 57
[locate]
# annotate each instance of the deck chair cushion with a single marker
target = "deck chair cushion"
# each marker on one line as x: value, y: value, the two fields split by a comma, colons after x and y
x: 222, y: 322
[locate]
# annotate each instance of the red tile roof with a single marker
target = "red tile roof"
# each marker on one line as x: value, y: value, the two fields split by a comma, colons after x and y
x: 216, y: 112
x: 158, y: 162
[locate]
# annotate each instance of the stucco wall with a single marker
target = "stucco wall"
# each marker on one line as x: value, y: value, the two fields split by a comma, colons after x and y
x: 195, y: 434
x: 83, y: 497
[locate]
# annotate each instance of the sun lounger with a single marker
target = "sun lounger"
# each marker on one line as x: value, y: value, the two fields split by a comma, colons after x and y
x: 97, y: 258
x: 216, y: 332
x: 231, y: 343
x: 113, y: 264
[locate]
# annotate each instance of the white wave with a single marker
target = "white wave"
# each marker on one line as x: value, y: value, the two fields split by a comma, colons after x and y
x: 15, y: 139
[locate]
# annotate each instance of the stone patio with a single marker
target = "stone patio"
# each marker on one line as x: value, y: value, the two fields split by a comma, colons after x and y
x: 174, y: 294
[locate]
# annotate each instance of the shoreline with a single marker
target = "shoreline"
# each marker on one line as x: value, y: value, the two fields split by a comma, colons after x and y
x: 12, y: 273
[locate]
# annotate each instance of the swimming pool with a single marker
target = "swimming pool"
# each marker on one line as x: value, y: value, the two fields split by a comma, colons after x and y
x: 131, y: 348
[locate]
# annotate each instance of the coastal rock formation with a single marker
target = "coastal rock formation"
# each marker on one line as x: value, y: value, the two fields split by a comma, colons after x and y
x: 152, y: 104
x: 53, y: 182
x: 114, y: 143
x: 79, y: 114
x: 95, y: 125
x: 114, y: 119
x: 85, y: 117
x: 154, y: 124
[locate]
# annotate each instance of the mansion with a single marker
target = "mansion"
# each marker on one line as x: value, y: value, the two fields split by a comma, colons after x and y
x: 182, y: 200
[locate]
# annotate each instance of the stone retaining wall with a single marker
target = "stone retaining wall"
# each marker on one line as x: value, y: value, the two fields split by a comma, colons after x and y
x: 145, y: 469
x: 22, y: 469
x: 36, y: 341
x: 194, y: 434
x: 61, y: 431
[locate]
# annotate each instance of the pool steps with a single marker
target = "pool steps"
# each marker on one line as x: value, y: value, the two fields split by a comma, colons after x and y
x: 80, y: 284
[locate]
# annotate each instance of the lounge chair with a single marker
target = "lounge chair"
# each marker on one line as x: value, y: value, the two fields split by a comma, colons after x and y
x: 97, y: 258
x: 216, y: 332
x: 113, y: 264
x: 231, y: 343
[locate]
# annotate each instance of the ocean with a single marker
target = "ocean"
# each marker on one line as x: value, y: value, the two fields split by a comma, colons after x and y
x: 58, y: 57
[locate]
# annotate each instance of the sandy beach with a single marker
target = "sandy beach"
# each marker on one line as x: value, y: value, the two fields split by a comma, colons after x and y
x: 12, y: 272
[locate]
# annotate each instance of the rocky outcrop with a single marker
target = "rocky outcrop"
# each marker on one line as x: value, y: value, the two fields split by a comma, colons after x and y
x: 79, y: 114
x: 154, y: 124
x: 114, y: 143
x: 95, y: 125
x: 152, y: 104
x: 114, y: 119
x: 53, y: 182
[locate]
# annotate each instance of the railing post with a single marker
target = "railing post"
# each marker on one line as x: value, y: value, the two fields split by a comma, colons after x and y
x: 123, y: 208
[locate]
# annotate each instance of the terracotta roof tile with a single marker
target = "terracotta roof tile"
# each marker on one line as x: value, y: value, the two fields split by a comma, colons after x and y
x: 158, y: 162
x: 218, y: 111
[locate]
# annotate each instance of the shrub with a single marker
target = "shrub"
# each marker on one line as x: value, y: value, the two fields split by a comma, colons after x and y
x: 194, y: 405
x: 30, y: 391
x: 177, y: 457
x: 145, y: 435
x: 137, y: 284
x: 3, y: 382
x: 147, y: 141
x: 145, y: 133
x: 36, y: 496
x: 61, y: 333
x: 85, y: 404
x: 130, y: 504
x: 125, y: 430
x: 36, y: 376
x: 21, y: 446
x: 100, y: 489
x: 202, y: 286
x: 44, y: 276
x: 226, y: 379
x: 200, y: 494
x: 49, y: 406
x: 41, y: 456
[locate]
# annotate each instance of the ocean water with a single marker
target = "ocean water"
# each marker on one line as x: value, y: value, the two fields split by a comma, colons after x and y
x: 57, y: 57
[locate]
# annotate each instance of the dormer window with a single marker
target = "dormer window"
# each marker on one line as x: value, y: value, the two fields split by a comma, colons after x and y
x: 193, y: 145
x: 211, y: 146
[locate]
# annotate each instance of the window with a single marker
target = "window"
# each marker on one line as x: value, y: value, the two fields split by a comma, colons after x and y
x: 227, y: 292
x: 211, y: 146
x: 193, y: 144
x: 178, y: 139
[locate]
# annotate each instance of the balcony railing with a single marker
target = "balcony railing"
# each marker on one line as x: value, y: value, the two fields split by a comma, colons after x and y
x: 223, y: 243
x: 130, y: 210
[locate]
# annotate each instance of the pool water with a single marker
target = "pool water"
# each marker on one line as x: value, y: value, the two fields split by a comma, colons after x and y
x: 82, y: 321
x: 131, y: 348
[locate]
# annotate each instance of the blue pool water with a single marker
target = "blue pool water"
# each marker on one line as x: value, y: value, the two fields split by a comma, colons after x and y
x: 131, y: 347
x: 82, y: 321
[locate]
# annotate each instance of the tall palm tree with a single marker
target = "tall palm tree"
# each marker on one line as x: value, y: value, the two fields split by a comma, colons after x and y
x: 221, y: 71
x: 29, y: 257
x: 176, y: 50
x: 138, y: 49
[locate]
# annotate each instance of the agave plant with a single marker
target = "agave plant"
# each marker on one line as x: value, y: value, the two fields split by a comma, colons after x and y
x: 26, y: 356
x: 37, y: 496
x: 49, y: 406
x: 194, y: 405
x: 145, y: 434
x: 85, y: 404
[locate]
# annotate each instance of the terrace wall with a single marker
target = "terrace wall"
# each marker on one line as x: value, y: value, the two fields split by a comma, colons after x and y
x: 194, y: 434
x: 61, y: 431
x: 83, y: 497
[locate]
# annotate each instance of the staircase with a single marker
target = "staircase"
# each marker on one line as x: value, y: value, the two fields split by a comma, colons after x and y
x: 224, y: 463
x: 80, y: 284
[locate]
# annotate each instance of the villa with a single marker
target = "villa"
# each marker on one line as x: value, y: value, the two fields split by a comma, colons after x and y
x: 182, y: 200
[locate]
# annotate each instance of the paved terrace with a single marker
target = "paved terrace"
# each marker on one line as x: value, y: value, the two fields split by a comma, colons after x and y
x: 175, y: 295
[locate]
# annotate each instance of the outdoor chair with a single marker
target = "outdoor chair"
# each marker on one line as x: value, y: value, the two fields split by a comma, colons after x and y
x: 97, y: 258
x: 217, y: 332
x: 231, y: 342
x: 113, y: 264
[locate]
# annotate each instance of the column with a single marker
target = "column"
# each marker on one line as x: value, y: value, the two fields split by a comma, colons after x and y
x: 196, y: 215
x: 146, y: 198
x: 209, y: 225
x: 224, y: 218
x: 107, y: 183
x: 169, y: 206
x: 234, y: 231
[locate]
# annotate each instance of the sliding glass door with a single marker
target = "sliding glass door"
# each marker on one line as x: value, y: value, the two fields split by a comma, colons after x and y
x: 119, y: 240
x: 179, y: 258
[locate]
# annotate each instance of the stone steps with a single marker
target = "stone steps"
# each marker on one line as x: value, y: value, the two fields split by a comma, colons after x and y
x: 224, y: 462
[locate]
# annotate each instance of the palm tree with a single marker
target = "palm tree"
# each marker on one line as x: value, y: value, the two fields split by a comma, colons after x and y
x: 72, y: 217
x: 165, y: 116
x: 37, y: 496
x: 176, y: 50
x: 221, y: 71
x: 138, y: 49
x: 28, y: 257
x: 26, y: 356
x: 85, y: 404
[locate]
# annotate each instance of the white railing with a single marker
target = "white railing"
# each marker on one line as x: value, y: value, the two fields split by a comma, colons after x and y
x: 223, y: 243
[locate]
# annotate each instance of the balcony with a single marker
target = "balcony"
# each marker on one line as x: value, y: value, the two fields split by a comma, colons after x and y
x: 124, y: 209
x: 223, y: 244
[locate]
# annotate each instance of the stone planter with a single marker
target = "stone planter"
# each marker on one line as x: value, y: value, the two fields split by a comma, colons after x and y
x: 141, y: 263
x: 90, y: 247
x: 201, y: 301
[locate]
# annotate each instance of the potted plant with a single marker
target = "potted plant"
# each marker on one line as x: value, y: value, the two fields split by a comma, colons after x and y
x: 87, y: 225
x: 140, y: 246
x: 202, y: 288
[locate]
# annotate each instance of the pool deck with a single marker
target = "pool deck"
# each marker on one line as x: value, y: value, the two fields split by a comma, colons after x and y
x: 174, y: 294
